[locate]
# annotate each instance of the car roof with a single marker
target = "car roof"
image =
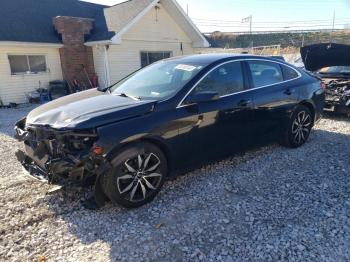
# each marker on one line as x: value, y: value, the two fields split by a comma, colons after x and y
x: 218, y: 57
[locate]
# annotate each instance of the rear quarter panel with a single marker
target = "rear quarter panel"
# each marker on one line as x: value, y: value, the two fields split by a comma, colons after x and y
x: 311, y: 92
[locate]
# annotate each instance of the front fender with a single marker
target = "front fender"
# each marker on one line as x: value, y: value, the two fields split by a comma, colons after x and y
x: 159, y: 128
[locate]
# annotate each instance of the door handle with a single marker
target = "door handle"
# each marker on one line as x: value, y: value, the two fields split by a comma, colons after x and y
x: 244, y: 103
x: 289, y: 92
x: 200, y: 120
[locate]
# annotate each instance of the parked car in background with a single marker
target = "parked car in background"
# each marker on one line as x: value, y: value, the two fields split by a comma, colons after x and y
x: 279, y: 57
x: 168, y: 117
x: 299, y: 63
x: 331, y: 62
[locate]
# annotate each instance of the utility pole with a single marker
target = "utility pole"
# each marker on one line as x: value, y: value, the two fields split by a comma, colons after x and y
x: 251, y: 30
x: 250, y: 20
x: 303, y: 41
x: 333, y: 25
x: 251, y: 24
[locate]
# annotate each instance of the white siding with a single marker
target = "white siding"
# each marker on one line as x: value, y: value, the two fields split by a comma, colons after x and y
x: 157, y: 24
x: 118, y: 16
x: 125, y: 58
x: 99, y: 63
x: 14, y: 87
x: 156, y: 31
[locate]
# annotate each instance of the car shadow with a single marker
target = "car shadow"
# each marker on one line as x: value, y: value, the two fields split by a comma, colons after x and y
x: 9, y: 116
x: 336, y: 116
x: 131, y: 234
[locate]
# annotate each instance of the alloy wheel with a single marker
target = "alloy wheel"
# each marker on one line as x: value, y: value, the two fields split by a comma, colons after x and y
x: 301, y: 127
x: 140, y: 177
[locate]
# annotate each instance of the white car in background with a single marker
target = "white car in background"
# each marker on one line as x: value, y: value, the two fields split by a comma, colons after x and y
x: 299, y: 63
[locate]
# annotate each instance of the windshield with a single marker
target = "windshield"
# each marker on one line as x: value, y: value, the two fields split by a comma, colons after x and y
x: 158, y: 81
x: 335, y: 70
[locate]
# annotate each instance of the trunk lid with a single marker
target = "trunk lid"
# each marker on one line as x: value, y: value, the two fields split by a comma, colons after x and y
x: 323, y: 55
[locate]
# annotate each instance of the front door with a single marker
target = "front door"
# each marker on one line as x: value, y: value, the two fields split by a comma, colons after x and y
x: 215, y: 129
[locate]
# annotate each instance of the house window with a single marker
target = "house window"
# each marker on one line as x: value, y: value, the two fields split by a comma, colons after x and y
x: 27, y: 64
x: 148, y: 58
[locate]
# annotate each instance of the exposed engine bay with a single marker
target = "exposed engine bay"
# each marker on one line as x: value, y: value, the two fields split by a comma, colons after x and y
x: 331, y: 63
x: 62, y: 140
x: 337, y: 95
x: 57, y: 156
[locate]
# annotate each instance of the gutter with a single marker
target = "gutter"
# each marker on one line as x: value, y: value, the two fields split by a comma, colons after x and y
x: 94, y: 43
x: 105, y: 44
x: 30, y: 44
x: 107, y: 73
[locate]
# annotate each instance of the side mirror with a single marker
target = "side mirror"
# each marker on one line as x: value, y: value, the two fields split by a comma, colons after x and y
x: 204, y: 96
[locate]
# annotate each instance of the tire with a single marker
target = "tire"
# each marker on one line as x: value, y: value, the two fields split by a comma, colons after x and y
x: 138, y: 173
x: 298, y: 128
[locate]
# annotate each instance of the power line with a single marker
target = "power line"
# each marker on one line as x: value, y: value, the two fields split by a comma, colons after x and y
x: 286, y: 2
x: 277, y: 24
x: 244, y: 26
x: 274, y: 25
x: 328, y: 30
x: 272, y: 22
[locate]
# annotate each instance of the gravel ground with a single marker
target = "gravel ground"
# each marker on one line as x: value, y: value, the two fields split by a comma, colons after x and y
x: 269, y: 204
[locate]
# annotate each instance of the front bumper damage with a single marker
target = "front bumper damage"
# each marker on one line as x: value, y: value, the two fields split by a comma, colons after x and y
x: 58, y: 157
x: 338, y: 96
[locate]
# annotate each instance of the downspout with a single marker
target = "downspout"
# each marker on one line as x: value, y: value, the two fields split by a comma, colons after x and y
x: 107, y: 73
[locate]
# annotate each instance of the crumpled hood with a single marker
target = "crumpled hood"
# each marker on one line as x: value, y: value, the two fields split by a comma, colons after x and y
x: 87, y: 109
x: 319, y: 56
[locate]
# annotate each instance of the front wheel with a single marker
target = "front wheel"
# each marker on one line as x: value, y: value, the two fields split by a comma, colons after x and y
x: 298, y: 128
x: 137, y: 175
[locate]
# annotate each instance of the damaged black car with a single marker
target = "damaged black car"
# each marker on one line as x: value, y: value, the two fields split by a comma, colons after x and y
x: 165, y: 119
x: 331, y: 62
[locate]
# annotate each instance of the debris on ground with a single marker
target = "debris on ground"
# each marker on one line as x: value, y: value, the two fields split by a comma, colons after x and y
x: 285, y: 205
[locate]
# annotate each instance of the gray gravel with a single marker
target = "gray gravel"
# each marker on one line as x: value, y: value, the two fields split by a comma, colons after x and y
x: 269, y: 204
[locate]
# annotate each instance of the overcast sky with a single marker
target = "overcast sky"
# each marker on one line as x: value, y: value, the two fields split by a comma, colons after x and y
x: 226, y: 15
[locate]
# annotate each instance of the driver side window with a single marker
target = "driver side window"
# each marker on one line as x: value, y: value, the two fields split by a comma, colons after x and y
x: 225, y: 80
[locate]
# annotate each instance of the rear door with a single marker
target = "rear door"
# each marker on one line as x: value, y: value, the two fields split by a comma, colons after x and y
x: 275, y: 94
x: 217, y: 128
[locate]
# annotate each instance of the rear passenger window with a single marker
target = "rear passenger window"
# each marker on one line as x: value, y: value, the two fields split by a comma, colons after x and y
x: 225, y: 80
x: 288, y: 73
x: 265, y: 73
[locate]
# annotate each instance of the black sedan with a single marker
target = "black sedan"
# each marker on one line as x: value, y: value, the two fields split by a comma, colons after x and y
x: 167, y: 118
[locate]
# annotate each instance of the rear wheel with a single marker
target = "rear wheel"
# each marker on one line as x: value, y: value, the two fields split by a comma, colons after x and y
x: 298, y: 128
x: 137, y: 175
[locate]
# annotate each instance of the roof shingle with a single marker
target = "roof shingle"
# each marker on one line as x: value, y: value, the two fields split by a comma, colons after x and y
x: 120, y: 15
x: 31, y: 20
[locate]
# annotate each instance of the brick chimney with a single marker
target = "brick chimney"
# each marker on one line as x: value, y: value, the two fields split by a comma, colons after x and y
x: 74, y: 54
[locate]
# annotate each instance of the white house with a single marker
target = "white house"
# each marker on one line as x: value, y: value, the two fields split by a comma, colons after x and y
x: 46, y: 40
